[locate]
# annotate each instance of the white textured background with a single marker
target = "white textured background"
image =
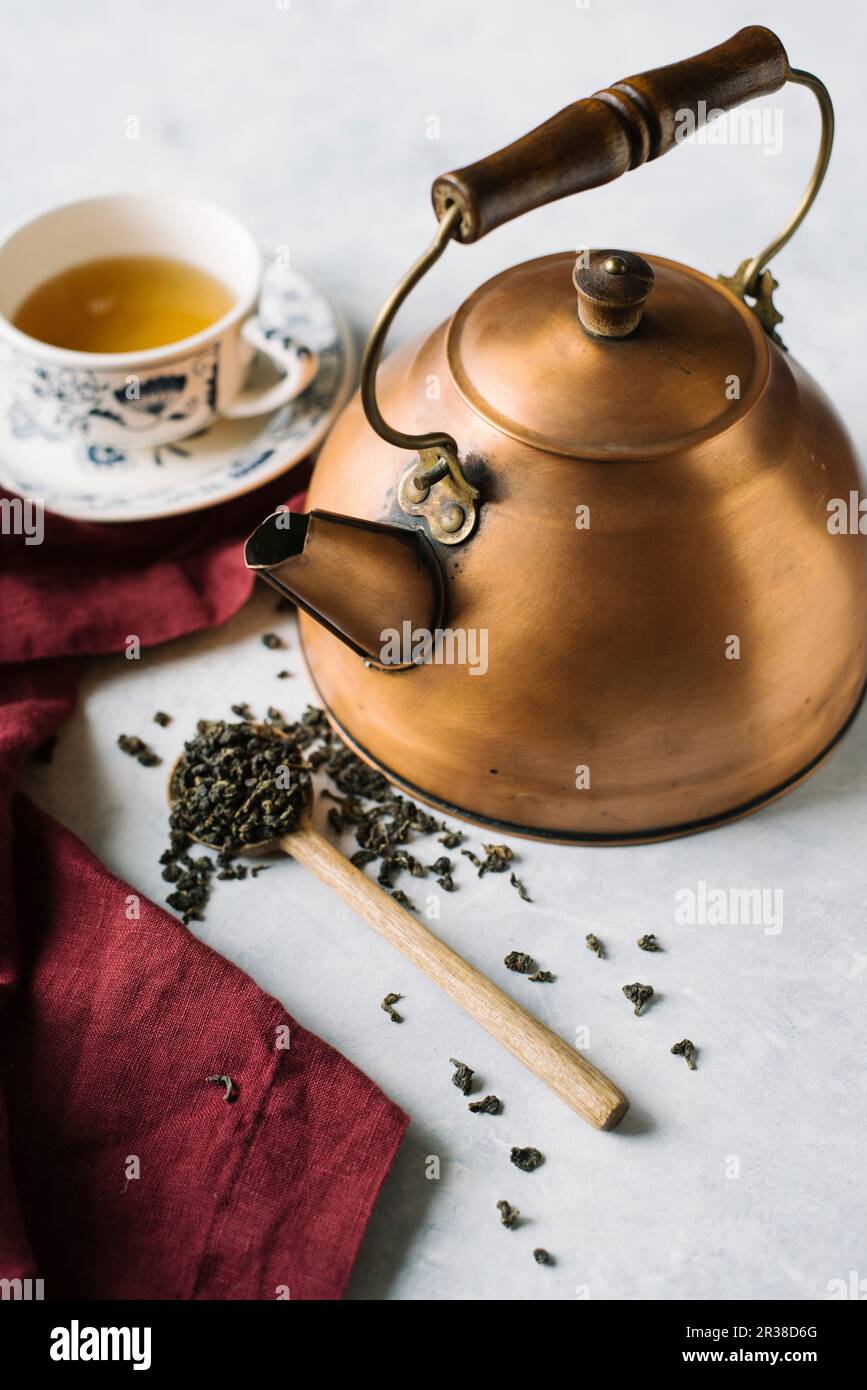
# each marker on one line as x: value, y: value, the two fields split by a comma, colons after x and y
x: 311, y: 121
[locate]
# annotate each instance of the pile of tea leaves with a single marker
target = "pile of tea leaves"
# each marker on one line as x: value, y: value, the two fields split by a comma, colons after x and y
x: 236, y: 785
x: 233, y: 786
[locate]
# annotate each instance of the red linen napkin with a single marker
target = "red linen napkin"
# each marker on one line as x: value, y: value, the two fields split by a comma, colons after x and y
x: 123, y: 1172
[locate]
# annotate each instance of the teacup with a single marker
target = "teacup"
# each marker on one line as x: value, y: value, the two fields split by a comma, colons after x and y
x: 161, y: 394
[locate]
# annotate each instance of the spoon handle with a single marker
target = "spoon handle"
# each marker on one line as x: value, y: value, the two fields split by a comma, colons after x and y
x: 566, y: 1071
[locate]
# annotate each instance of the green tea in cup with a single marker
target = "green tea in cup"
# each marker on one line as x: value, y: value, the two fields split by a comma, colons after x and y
x: 123, y: 304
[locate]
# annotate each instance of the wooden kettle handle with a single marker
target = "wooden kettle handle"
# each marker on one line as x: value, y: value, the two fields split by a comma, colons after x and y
x: 596, y: 140
x: 571, y: 1076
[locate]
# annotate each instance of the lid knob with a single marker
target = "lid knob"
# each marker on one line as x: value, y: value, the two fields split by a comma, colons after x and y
x: 612, y: 287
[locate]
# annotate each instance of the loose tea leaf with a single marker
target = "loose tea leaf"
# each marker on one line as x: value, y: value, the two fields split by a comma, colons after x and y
x: 648, y: 943
x: 541, y: 1256
x: 463, y: 1077
x: 231, y: 1092
x: 242, y: 710
x: 191, y: 877
x: 517, y: 884
x: 508, y: 1215
x: 685, y: 1049
x: 272, y: 641
x: 388, y: 1001
x: 452, y: 839
x: 162, y: 718
x: 491, y: 1105
x: 283, y: 675
x: 595, y: 945
x: 541, y: 977
x: 400, y: 897
x: 638, y: 995
x: 138, y: 749
x: 519, y: 961
x: 497, y: 859
x: 526, y: 1159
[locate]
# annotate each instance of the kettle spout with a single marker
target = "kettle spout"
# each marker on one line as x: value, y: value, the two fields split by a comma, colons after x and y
x: 358, y: 578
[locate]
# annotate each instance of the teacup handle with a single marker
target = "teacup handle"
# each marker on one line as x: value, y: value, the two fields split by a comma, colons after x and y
x: 298, y: 364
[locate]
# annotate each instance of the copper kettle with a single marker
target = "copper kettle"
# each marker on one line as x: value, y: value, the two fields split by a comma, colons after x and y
x: 603, y: 489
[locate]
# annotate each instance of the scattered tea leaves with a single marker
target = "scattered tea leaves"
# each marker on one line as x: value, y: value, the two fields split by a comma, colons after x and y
x: 162, y: 718
x: 508, y: 1215
x: 638, y: 995
x: 272, y: 641
x: 648, y: 943
x: 400, y: 897
x: 595, y: 945
x: 519, y: 887
x: 491, y: 1105
x: 138, y: 749
x: 388, y: 1005
x: 526, y: 1159
x: 452, y: 839
x: 497, y: 859
x: 519, y: 961
x: 541, y: 1256
x: 383, y: 822
x: 283, y: 675
x: 463, y: 1077
x: 541, y: 977
x: 191, y: 879
x: 685, y: 1049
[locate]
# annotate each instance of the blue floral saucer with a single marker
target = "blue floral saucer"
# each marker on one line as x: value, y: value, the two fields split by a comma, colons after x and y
x: 92, y: 482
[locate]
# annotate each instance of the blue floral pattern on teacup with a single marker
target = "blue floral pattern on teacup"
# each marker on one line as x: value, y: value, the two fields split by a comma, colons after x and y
x: 56, y: 401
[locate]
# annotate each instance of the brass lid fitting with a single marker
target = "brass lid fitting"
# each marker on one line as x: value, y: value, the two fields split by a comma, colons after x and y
x: 612, y: 287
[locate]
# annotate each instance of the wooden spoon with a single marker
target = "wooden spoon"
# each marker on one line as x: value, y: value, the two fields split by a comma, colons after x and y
x: 575, y: 1080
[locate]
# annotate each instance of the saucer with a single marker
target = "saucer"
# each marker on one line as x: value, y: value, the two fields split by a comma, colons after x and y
x: 96, y: 482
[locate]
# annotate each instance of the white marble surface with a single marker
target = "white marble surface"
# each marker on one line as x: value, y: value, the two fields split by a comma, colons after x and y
x: 311, y: 121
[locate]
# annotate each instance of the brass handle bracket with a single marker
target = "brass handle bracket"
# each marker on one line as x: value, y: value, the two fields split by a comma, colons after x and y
x: 434, y: 486
x: 752, y: 281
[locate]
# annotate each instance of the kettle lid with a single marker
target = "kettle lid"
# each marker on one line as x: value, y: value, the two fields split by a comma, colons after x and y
x: 521, y: 359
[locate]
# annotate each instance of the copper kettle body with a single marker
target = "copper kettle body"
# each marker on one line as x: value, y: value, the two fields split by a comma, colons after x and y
x: 618, y: 519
